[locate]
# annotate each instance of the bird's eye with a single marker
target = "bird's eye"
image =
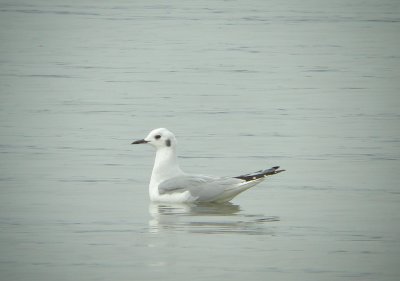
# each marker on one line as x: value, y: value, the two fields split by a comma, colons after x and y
x: 157, y: 137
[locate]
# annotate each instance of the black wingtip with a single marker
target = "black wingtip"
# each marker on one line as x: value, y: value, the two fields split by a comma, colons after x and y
x: 260, y: 174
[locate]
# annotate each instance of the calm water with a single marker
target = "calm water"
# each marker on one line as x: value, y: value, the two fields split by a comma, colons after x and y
x: 312, y: 86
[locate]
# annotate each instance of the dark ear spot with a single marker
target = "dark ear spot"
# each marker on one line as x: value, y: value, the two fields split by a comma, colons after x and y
x: 168, y: 142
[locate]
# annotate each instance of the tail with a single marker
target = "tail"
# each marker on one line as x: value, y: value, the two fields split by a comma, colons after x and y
x: 260, y: 174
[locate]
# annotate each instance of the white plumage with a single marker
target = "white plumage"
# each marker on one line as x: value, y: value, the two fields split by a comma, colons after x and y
x: 170, y: 184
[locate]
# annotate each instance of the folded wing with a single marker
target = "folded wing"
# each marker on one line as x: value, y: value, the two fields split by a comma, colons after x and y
x: 204, y: 188
x: 214, y: 189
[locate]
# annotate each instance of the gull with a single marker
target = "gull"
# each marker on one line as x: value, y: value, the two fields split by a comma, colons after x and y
x: 170, y: 184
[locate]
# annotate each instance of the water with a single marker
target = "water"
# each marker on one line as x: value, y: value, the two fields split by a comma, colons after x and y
x: 312, y: 86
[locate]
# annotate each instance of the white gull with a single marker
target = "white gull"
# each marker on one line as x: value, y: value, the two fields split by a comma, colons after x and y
x: 169, y: 183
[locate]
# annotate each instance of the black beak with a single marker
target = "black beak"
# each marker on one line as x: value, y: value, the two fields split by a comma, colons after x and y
x: 140, y: 141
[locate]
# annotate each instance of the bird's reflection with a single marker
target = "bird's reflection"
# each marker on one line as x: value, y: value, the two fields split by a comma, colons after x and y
x: 206, y: 218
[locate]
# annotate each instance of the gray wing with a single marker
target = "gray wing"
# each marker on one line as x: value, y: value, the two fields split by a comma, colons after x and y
x: 202, y: 187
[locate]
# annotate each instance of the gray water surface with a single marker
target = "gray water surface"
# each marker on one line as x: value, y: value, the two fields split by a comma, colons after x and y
x: 312, y: 86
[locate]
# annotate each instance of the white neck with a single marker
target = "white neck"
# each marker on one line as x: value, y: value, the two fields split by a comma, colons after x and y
x: 165, y: 166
